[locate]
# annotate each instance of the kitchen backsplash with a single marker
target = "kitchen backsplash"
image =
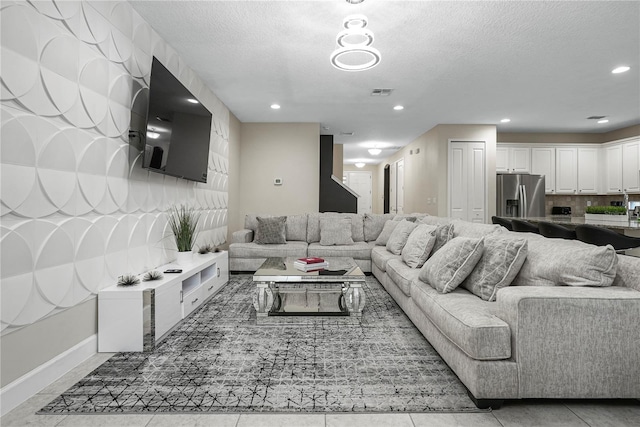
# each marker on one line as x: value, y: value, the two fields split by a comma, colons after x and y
x: 578, y: 204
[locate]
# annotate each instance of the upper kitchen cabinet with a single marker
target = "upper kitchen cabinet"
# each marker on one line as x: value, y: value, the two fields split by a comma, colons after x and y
x: 613, y: 159
x: 622, y: 163
x: 543, y: 162
x: 566, y: 170
x: 511, y: 159
x: 588, y: 170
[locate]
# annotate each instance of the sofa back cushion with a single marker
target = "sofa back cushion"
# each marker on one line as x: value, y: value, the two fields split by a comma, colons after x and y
x: 373, y: 225
x: 474, y: 229
x: 313, y: 225
x: 501, y: 261
x: 566, y: 262
x: 335, y: 231
x: 628, y: 272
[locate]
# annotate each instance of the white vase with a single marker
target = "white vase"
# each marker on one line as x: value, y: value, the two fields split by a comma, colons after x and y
x: 184, y: 258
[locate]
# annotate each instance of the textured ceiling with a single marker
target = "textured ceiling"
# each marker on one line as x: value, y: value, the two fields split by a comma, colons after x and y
x: 545, y: 65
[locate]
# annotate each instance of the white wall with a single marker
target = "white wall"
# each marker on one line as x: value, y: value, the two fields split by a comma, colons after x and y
x: 77, y: 211
x: 290, y: 151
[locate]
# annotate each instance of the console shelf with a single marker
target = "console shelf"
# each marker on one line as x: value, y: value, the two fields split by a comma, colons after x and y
x: 136, y: 318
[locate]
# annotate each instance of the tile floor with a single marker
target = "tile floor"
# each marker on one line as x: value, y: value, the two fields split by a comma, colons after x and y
x: 532, y: 413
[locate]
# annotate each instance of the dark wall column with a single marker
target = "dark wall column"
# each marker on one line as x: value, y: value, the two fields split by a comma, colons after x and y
x: 333, y: 196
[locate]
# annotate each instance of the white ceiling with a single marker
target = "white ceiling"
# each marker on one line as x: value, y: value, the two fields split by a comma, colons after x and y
x: 545, y: 65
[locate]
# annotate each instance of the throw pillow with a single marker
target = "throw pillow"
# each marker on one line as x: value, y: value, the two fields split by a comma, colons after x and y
x: 388, y: 228
x: 501, y: 261
x: 443, y: 234
x: 373, y: 225
x: 271, y: 230
x: 335, y: 231
x: 448, y: 267
x: 399, y: 236
x: 419, y: 245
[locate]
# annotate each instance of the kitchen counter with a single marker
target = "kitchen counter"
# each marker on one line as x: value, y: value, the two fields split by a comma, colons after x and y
x: 632, y: 225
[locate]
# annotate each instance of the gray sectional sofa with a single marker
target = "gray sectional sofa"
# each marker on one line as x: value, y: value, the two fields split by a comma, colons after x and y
x: 568, y: 326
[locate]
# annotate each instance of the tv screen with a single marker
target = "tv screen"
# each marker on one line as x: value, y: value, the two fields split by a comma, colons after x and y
x: 178, y: 128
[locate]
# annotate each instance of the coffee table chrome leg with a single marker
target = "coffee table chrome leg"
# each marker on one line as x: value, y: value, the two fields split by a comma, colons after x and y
x: 354, y: 298
x: 263, y: 299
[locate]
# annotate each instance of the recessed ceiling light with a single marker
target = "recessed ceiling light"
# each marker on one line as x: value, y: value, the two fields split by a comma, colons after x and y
x: 275, y: 106
x: 603, y: 121
x: 398, y: 107
x: 505, y: 120
x: 359, y: 165
x: 193, y: 101
x: 620, y: 69
x: 374, y: 151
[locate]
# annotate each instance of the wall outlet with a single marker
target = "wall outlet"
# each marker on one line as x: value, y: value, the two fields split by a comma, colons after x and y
x: 588, y: 202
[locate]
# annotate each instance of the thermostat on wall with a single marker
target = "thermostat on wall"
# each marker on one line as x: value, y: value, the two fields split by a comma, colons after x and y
x: 277, y: 181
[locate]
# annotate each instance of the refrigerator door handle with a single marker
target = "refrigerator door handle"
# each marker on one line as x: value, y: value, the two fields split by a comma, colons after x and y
x: 525, y: 209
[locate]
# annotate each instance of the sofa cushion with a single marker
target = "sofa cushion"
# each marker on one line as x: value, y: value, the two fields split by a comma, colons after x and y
x: 373, y: 225
x: 466, y: 320
x: 335, y: 231
x: 553, y: 262
x: 271, y: 230
x: 443, y: 233
x: 501, y: 261
x: 254, y: 250
x: 473, y: 229
x: 412, y: 217
x: 358, y: 250
x: 402, y: 275
x: 419, y: 245
x: 297, y: 227
x: 399, y: 236
x: 448, y: 267
x: 380, y: 256
x: 387, y: 229
x: 435, y: 220
x: 313, y: 225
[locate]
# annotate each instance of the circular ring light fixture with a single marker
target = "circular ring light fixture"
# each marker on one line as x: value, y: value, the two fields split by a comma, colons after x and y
x: 337, y: 54
x: 355, y: 21
x: 344, y: 36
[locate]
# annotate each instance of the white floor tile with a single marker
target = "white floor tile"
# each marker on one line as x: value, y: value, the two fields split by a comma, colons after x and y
x: 25, y: 414
x: 537, y: 414
x: 97, y: 420
x: 369, y: 420
x: 485, y: 419
x: 281, y: 420
x: 608, y: 414
x: 194, y: 420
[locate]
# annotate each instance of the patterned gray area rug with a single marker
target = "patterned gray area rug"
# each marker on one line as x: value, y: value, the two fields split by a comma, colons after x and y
x: 221, y: 360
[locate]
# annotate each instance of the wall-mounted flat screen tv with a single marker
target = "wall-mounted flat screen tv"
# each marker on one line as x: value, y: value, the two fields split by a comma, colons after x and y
x: 178, y: 128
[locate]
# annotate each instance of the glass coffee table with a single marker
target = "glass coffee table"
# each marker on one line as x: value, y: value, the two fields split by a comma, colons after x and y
x: 283, y: 290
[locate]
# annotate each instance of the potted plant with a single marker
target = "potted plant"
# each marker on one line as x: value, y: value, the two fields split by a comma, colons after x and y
x: 606, y: 214
x: 183, y: 221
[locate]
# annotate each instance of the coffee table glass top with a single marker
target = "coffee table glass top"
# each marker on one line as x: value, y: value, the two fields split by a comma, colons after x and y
x: 282, y: 270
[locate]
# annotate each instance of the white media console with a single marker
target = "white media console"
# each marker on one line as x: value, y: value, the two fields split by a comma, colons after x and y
x: 135, y: 318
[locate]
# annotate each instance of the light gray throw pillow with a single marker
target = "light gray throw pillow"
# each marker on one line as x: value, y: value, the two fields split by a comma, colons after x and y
x: 399, y: 236
x: 419, y: 245
x: 448, y: 267
x: 271, y: 230
x: 443, y: 233
x: 335, y: 231
x: 501, y: 261
x: 388, y: 228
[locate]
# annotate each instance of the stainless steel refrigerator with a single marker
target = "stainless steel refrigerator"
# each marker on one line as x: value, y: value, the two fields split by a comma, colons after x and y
x: 520, y: 195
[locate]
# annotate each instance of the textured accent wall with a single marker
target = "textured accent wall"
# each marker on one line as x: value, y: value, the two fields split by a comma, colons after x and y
x: 77, y: 209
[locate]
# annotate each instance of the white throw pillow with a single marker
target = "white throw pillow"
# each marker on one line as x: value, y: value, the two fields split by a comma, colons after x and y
x: 448, y: 267
x: 384, y: 235
x: 419, y: 245
x: 399, y: 237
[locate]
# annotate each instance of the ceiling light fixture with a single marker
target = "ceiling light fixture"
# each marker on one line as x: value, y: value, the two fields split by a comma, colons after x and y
x: 359, y: 165
x: 374, y: 151
x: 505, y: 120
x: 620, y: 69
x: 354, y: 1
x: 354, y: 44
x: 603, y: 121
x: 275, y: 106
x: 398, y: 107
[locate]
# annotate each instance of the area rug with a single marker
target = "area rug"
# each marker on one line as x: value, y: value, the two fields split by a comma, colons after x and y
x: 220, y: 360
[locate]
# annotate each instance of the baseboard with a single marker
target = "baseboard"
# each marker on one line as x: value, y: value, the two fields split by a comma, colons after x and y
x: 36, y: 380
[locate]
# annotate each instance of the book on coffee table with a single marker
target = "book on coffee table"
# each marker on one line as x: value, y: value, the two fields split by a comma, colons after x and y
x: 309, y: 260
x: 310, y: 266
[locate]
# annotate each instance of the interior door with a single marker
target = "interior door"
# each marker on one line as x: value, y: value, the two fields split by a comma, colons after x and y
x: 392, y: 189
x: 400, y: 186
x: 467, y: 181
x: 360, y: 182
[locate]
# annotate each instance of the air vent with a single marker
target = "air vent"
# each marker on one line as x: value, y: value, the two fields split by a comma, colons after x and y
x: 346, y: 133
x: 381, y: 92
x: 395, y: 147
x: 596, y: 117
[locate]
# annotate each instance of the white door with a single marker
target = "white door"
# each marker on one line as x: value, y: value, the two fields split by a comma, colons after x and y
x: 360, y: 182
x: 400, y: 186
x: 392, y: 188
x: 467, y: 181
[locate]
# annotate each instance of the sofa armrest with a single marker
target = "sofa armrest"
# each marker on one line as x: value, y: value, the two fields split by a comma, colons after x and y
x: 573, y: 341
x: 242, y: 236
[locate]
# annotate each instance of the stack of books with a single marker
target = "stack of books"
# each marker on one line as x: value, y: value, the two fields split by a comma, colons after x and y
x: 310, y: 264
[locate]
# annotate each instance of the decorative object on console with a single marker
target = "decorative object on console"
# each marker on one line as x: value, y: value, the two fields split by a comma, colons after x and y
x: 183, y: 221
x: 152, y: 275
x: 128, y: 280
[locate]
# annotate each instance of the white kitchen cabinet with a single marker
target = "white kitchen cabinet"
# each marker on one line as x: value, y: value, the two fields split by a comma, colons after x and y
x: 513, y: 159
x: 588, y: 170
x: 566, y: 170
x: 135, y: 318
x: 543, y: 162
x: 631, y: 166
x: 613, y: 159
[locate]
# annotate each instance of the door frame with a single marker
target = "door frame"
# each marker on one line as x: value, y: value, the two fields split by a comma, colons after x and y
x: 450, y: 174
